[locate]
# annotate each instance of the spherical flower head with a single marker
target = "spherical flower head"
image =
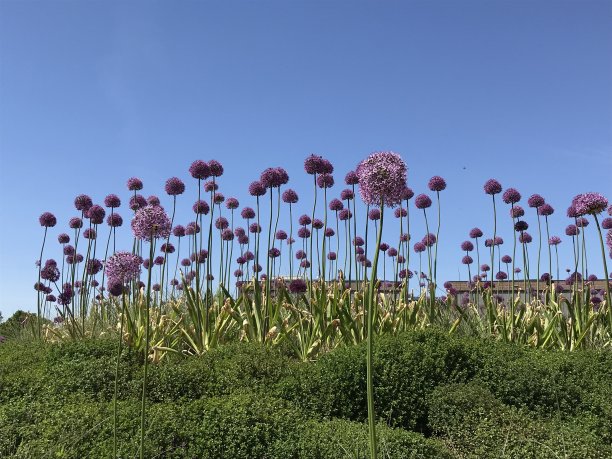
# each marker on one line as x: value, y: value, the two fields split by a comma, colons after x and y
x: 325, y: 181
x: 525, y: 238
x: 521, y: 225
x: 492, y: 187
x: 407, y: 194
x: 535, y: 200
x: 405, y: 237
x: 485, y: 268
x: 347, y: 195
x: 545, y: 210
x: 436, y: 183
x: 300, y: 255
x: 51, y: 299
x: 247, y: 213
x: 545, y: 277
x: 239, y: 231
x: 297, y: 286
x: 358, y: 241
x: 68, y: 250
x: 329, y: 232
x: 210, y: 186
x: 158, y: 261
x: 517, y: 270
x: 273, y: 177
x: 167, y: 248
x: 374, y: 214
x: 273, y: 252
x: 238, y: 273
x: 313, y: 164
x: 63, y: 238
x: 506, y: 259
x: 232, y: 203
x: 47, y: 220
x: 153, y: 200
x: 606, y: 223
x: 174, y: 186
x: 112, y: 201
x: 134, y: 184
x: 114, y: 220
x: 199, y: 170
x: 422, y: 201
x: 123, y: 267
x: 256, y: 268
x: 201, y: 207
x: 429, y: 240
x: 572, y: 230
x: 290, y: 196
x: 257, y: 189
x: 345, y: 214
x: 517, y: 212
x: 501, y: 275
x: 419, y: 247
x: 151, y: 223
x: 382, y: 178
x: 96, y: 214
x: 554, y: 240
x: 336, y: 205
x: 392, y: 252
x: 216, y: 169
x: 303, y: 232
x: 304, y: 220
x: 178, y: 231
x: 94, y: 266
x: 138, y: 201
x: 146, y: 263
x: 281, y: 235
x: 89, y: 233
x: 227, y: 235
x: 498, y: 240
x: 467, y: 246
x: 488, y: 242
x: 384, y: 247
x: 218, y: 198
x: 82, y: 202
x: 511, y: 196
x: 590, y: 203
x: 186, y: 262
x: 359, y: 251
x: 475, y: 233
x: 221, y: 223
x: 400, y: 212
x: 254, y: 228
x: 199, y: 257
x: 351, y: 178
x: 50, y: 272
x: 582, y: 222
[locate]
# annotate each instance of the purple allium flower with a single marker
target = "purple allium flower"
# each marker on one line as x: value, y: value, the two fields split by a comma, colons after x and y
x: 122, y: 267
x: 83, y: 202
x: 153, y: 200
x: 517, y: 270
x: 167, y: 248
x: 488, y: 242
x: 492, y: 187
x: 592, y: 278
x: 134, y: 184
x: 572, y: 212
x: 63, y: 238
x: 467, y: 260
x: 156, y: 287
x: 244, y: 239
x: 151, y: 222
x: 429, y: 240
x: 521, y: 225
x: 419, y: 247
x: 68, y: 250
x: 606, y: 223
x: 274, y: 252
x: 304, y: 220
x: 325, y: 181
x: 89, y: 233
x: 281, y: 235
x: 436, y: 183
x: 239, y: 231
x: 345, y: 214
x: 241, y: 260
x: 250, y: 256
x: 210, y: 186
x: 112, y: 201
x: 232, y: 203
x: 254, y: 228
x: 400, y: 212
x: 50, y: 298
x: 218, y: 198
x: 467, y: 246
x: 336, y: 205
x: 407, y: 194
x: 554, y: 240
x: 506, y: 259
x: 525, y: 238
x: 329, y: 232
x: 572, y: 230
x: 273, y: 177
x: 79, y: 258
x: 114, y: 220
x: 174, y: 186
x: 384, y: 247
x: 178, y: 231
x: 297, y: 286
x: 374, y: 214
x: 313, y: 164
x: 582, y: 222
x: 300, y: 255
x: 221, y: 223
x: 201, y: 207
x: 50, y: 272
x: 485, y: 268
x: 358, y: 241
x: 215, y: 167
x: 199, y: 170
x: 317, y: 224
x: 405, y: 237
x: 351, y: 178
x: 392, y: 252
x: 382, y: 178
x: 347, y: 195
x: 247, y: 213
x: 146, y: 263
x: 256, y: 268
x: 257, y: 189
x: 303, y: 232
x: 422, y: 201
x: 227, y: 235
x: 511, y: 196
x: 94, y: 266
x: 501, y: 275
x: 159, y: 260
x: 238, y: 273
x: 290, y: 196
x: 331, y: 256
x: 517, y: 212
x: 498, y: 240
x: 535, y: 200
x: 138, y: 201
x: 448, y: 285
x: 186, y: 262
x: 359, y: 251
x: 199, y: 257
x: 47, y: 220
x: 96, y: 214
x: 545, y: 210
x: 590, y: 203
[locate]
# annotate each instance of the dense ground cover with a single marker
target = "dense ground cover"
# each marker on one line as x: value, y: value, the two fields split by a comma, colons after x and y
x: 436, y: 396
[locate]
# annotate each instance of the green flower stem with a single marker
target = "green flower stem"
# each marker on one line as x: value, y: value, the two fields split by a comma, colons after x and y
x: 146, y: 354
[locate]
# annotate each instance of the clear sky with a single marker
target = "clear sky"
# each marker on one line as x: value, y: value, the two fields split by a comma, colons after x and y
x: 94, y: 92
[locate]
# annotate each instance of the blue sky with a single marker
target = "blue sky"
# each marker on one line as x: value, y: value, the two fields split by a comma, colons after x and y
x: 94, y: 92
